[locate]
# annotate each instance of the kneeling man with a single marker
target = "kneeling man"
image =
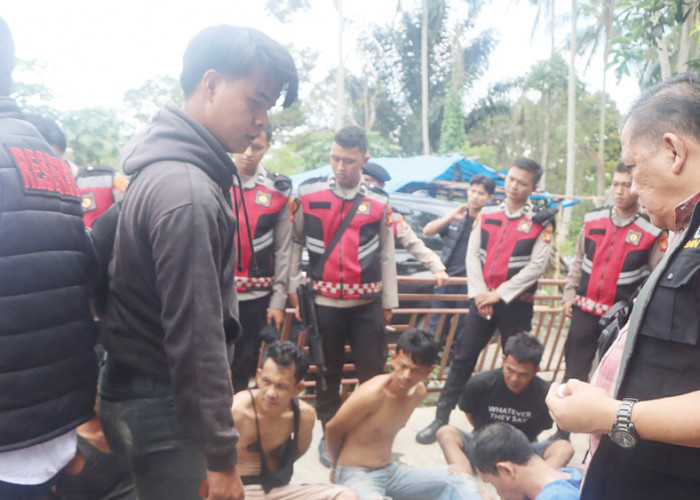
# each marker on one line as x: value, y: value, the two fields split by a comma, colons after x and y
x: 504, y: 458
x: 275, y: 430
x: 512, y: 394
x: 361, y: 434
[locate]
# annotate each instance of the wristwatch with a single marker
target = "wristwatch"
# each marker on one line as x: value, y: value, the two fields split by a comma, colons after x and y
x: 622, y: 432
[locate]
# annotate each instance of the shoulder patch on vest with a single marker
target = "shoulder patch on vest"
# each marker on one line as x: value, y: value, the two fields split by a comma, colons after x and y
x: 547, y: 234
x: 294, y: 205
x: 525, y: 226
x: 662, y: 242
x: 262, y: 198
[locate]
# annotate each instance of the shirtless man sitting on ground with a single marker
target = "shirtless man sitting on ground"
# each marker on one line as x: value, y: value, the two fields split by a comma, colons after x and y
x: 361, y: 434
x: 275, y: 430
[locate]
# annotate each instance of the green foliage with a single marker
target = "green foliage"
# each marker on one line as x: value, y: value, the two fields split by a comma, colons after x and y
x: 31, y: 96
x: 95, y: 135
x: 650, y: 36
x: 143, y: 102
x: 452, y: 134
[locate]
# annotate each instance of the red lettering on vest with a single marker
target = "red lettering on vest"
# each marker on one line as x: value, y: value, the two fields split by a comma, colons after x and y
x: 43, y: 172
x: 24, y: 168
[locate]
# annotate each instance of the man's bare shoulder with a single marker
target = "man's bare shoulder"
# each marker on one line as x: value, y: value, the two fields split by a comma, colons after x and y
x: 307, y: 414
x: 374, y: 386
x: 242, y: 405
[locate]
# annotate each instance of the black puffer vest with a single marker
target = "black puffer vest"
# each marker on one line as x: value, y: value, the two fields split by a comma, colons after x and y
x: 47, y: 364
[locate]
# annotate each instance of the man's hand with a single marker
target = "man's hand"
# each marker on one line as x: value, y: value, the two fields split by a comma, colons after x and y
x: 487, y: 299
x: 441, y: 277
x: 460, y: 212
x: 224, y: 485
x: 580, y: 407
x: 388, y: 313
x: 276, y: 315
x: 568, y: 305
x: 486, y: 311
x: 294, y: 302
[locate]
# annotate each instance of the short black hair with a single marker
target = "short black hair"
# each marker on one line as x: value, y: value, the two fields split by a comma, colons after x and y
x: 7, y: 58
x: 531, y: 166
x: 525, y: 348
x: 622, y: 169
x: 421, y: 345
x: 284, y: 353
x: 486, y: 181
x: 49, y: 129
x: 234, y: 51
x: 499, y: 442
x: 672, y: 105
x: 352, y: 137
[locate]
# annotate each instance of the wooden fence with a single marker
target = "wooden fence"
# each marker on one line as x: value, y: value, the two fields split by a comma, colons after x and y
x: 548, y: 324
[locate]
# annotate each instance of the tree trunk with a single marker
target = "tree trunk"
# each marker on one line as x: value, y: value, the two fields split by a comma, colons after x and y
x: 544, y: 159
x: 571, y: 127
x: 340, y: 71
x: 664, y: 60
x: 425, y: 95
x: 686, y: 41
x: 609, y: 7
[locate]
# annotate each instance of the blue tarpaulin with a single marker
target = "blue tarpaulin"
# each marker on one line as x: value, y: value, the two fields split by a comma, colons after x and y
x: 417, y: 172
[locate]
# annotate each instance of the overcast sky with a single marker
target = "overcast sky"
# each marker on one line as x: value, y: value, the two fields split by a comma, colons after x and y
x: 96, y: 50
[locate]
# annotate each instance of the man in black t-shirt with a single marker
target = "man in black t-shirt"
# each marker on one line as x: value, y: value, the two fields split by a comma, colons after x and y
x: 512, y: 394
x: 454, y: 229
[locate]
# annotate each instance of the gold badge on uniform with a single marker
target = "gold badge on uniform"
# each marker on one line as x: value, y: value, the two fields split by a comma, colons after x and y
x: 547, y: 236
x: 88, y: 202
x: 363, y: 208
x: 525, y: 226
x: 633, y: 237
x: 262, y: 198
x: 293, y: 207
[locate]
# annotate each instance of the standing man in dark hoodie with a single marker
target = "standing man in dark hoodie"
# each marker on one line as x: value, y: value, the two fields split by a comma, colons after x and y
x: 171, y: 315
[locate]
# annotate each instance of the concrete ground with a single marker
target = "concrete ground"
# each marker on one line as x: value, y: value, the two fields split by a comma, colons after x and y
x: 407, y: 451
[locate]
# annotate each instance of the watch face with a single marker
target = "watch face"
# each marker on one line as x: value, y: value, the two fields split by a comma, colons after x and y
x: 623, y: 438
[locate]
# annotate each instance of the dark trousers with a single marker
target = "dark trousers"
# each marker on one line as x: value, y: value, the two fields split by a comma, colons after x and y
x: 609, y: 478
x: 11, y: 491
x: 508, y: 318
x: 445, y: 304
x: 363, y: 328
x: 141, y: 423
x: 581, y: 344
x: 253, y: 317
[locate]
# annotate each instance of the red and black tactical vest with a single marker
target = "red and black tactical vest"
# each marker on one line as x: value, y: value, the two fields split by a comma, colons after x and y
x: 615, y: 260
x: 353, y: 269
x: 506, y: 246
x: 95, y: 186
x: 264, y: 202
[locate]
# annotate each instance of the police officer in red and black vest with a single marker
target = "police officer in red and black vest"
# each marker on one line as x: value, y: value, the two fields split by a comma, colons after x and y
x: 356, y: 287
x: 48, y: 372
x: 616, y: 250
x: 507, y: 253
x: 263, y: 271
x: 100, y: 186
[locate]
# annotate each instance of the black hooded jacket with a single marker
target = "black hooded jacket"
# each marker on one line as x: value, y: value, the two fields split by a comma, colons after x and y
x: 172, y: 308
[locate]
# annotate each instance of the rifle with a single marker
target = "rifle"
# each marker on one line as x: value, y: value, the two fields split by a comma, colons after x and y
x: 307, y: 309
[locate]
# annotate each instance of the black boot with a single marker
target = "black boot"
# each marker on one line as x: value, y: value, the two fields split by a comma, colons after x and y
x: 442, y: 416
